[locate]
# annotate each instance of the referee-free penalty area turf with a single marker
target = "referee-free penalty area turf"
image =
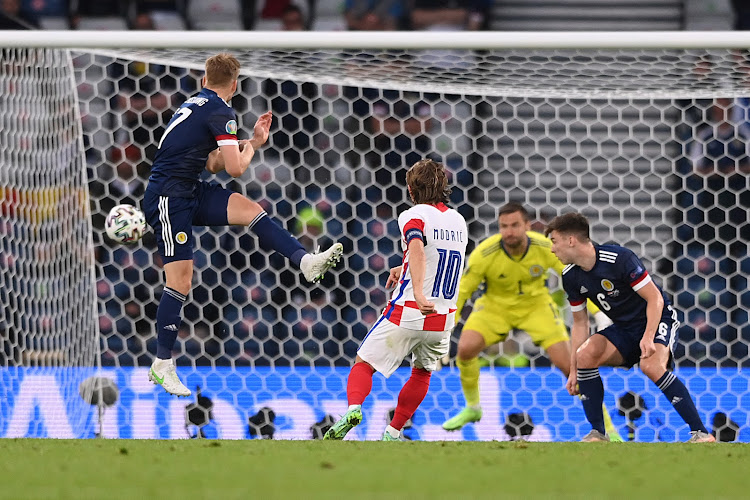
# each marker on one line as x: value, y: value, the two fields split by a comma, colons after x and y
x: 216, y: 469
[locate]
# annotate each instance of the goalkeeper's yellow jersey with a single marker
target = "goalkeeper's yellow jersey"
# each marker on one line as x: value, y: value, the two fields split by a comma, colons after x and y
x: 509, y: 281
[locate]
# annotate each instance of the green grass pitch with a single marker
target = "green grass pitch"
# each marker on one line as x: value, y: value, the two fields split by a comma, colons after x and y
x: 214, y: 469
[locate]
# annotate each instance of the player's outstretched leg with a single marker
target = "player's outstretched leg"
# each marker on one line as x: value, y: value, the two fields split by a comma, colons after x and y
x: 654, y: 367
x: 469, y: 370
x: 347, y: 422
x: 271, y: 236
x: 315, y: 265
x: 677, y: 394
x: 163, y: 373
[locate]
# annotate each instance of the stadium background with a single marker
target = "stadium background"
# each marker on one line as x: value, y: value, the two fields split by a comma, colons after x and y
x: 334, y: 170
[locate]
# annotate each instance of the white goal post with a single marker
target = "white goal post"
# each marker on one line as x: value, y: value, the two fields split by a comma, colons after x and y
x: 644, y: 132
x: 403, y: 40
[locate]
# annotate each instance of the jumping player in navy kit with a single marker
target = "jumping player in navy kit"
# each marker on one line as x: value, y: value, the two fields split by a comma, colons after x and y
x: 202, y: 134
x: 644, y: 324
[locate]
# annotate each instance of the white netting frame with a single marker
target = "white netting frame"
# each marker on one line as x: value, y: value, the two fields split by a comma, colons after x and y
x: 485, y: 204
x: 49, y: 320
x: 571, y: 73
x: 628, y: 161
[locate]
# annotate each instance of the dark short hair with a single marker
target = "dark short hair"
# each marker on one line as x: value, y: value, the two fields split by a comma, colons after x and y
x: 513, y: 207
x: 573, y: 223
x: 428, y: 182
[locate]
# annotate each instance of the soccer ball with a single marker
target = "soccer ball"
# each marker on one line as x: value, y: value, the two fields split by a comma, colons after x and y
x: 125, y: 224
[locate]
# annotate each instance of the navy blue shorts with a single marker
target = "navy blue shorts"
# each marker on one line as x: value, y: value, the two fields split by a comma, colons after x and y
x: 628, y: 342
x: 172, y: 218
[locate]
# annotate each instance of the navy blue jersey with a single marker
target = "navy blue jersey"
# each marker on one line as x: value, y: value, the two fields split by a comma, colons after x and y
x: 199, y: 126
x: 612, y: 284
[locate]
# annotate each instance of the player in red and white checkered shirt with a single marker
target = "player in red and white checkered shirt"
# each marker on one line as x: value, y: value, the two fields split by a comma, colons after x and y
x: 421, y: 313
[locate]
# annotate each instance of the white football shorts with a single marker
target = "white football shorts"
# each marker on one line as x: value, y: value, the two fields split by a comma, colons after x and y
x: 386, y: 345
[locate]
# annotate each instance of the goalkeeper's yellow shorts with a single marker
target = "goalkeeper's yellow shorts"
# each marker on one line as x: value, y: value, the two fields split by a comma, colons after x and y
x: 539, y: 318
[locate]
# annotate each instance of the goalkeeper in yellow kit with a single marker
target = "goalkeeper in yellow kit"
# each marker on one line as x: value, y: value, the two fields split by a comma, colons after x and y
x: 513, y: 265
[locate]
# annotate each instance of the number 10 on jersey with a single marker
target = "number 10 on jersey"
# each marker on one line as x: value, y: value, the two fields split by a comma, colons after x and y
x: 448, y: 272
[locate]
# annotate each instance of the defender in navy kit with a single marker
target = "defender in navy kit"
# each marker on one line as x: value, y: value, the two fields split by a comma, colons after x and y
x: 202, y: 134
x: 644, y: 324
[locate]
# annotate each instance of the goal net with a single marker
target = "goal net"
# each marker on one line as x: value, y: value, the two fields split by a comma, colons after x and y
x: 48, y: 323
x: 651, y: 145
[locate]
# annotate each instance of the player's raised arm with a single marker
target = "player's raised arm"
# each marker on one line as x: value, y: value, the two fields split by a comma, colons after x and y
x: 235, y: 158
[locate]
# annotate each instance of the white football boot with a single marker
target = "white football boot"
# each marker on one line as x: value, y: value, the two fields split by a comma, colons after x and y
x: 163, y: 373
x: 315, y: 265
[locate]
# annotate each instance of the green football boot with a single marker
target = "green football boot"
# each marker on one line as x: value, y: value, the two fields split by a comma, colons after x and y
x: 466, y: 416
x: 610, y: 428
x: 347, y: 422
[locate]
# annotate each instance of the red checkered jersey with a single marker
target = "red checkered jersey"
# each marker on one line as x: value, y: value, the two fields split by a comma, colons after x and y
x: 444, y: 233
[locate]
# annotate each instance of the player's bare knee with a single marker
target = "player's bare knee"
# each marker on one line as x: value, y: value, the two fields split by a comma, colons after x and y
x: 180, y: 280
x: 653, y: 368
x: 463, y: 353
x: 250, y: 210
x: 469, y: 346
x: 242, y: 210
x: 585, y: 358
x: 360, y: 360
x: 181, y: 285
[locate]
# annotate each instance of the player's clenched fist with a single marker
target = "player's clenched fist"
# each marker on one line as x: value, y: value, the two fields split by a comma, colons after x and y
x: 426, y: 307
x: 647, y: 346
x: 393, y: 276
x: 572, y: 385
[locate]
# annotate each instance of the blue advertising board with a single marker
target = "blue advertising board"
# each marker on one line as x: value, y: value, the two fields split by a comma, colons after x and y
x: 39, y: 402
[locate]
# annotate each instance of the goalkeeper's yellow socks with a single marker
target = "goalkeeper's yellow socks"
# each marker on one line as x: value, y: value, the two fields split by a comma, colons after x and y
x: 614, y: 436
x: 469, y: 380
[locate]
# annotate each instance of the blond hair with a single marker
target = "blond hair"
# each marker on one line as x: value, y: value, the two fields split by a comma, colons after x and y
x: 428, y: 182
x: 222, y: 70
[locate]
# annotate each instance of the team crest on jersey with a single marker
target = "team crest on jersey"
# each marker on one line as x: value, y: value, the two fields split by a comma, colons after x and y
x: 638, y: 271
x: 231, y: 127
x: 607, y: 285
x: 181, y: 237
x: 536, y: 271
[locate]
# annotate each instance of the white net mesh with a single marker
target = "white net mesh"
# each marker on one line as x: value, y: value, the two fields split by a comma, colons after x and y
x: 49, y: 321
x: 571, y: 73
x: 651, y: 145
x: 663, y: 176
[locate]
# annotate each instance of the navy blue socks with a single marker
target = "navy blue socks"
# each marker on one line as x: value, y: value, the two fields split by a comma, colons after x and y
x: 677, y: 394
x: 271, y: 236
x: 591, y: 388
x: 168, y: 322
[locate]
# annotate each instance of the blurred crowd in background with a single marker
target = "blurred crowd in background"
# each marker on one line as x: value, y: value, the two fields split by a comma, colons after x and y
x: 249, y: 14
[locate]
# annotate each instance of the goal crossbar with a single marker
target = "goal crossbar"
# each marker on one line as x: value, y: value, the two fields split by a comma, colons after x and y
x: 407, y: 40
